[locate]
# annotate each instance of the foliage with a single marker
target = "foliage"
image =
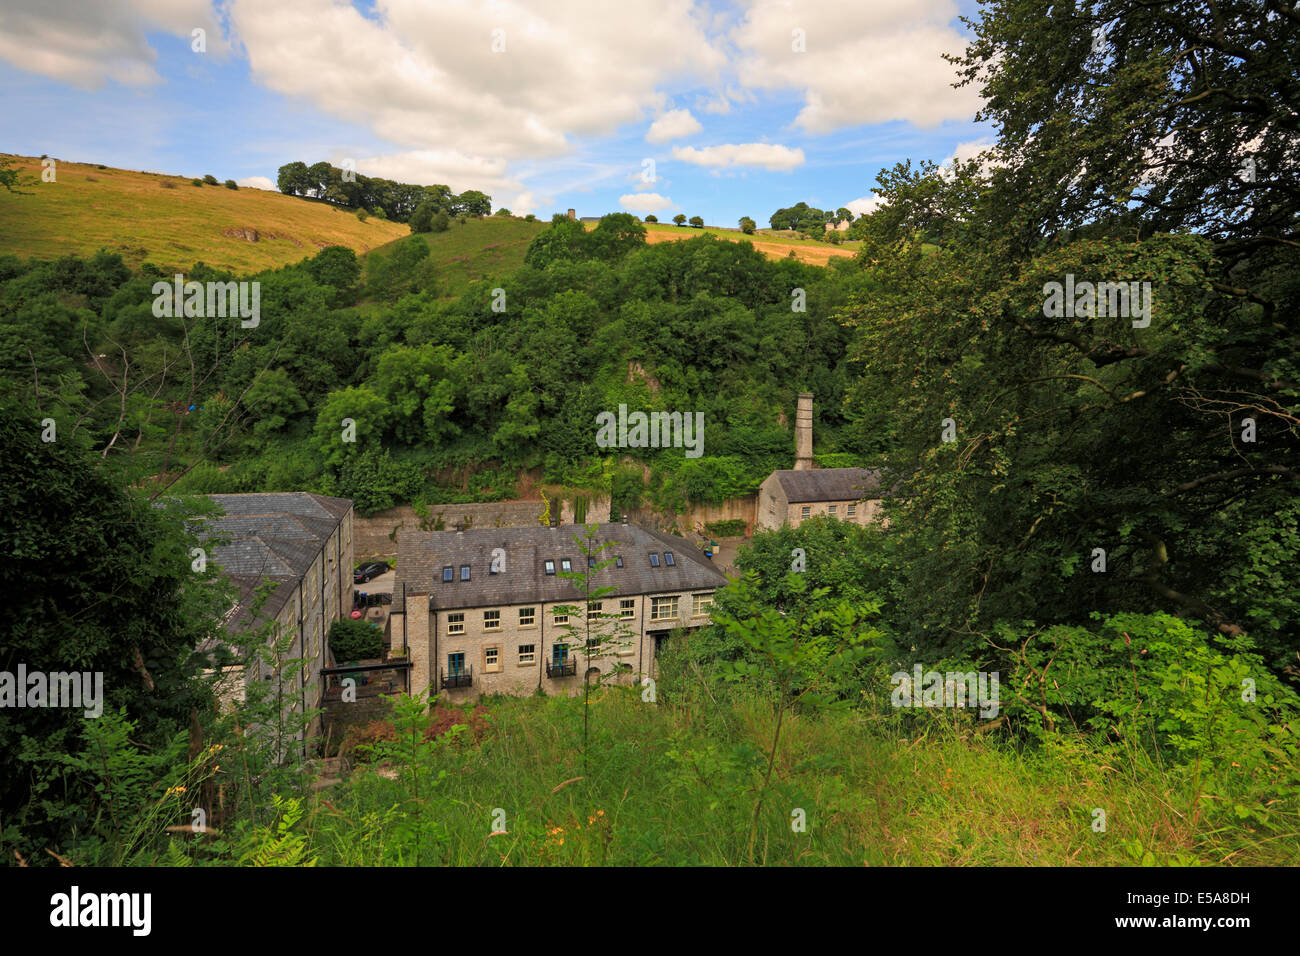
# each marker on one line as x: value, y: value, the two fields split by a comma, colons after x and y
x: 355, y: 640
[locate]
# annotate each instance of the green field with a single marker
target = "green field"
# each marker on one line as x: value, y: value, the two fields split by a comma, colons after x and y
x: 479, y: 248
x: 170, y: 222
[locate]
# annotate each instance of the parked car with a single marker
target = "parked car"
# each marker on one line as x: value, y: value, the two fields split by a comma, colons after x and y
x: 367, y: 571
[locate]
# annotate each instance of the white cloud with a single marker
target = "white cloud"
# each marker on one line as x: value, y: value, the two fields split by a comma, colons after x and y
x: 424, y: 76
x: 87, y: 44
x: 675, y: 124
x: 864, y: 62
x: 767, y: 155
x: 256, y: 182
x: 645, y: 202
x: 864, y: 205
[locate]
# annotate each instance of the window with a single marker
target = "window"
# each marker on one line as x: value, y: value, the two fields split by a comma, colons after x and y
x: 618, y: 562
x: 806, y: 511
x: 464, y: 572
x: 593, y: 610
x: 654, y: 560
x: 566, y: 564
x: 701, y: 604
x: 851, y: 510
x: 550, y: 566
x: 591, y: 561
x: 456, y: 622
x: 492, y: 658
x: 456, y: 664
x: 662, y: 608
x: 669, y: 559
x: 627, y: 607
x: 447, y: 573
x: 660, y: 641
x: 528, y: 617
x: 830, y: 509
x: 559, y: 653
x: 491, y: 620
x: 527, y: 653
x: 560, y: 618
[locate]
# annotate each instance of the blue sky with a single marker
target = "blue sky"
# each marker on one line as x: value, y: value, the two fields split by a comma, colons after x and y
x: 544, y: 104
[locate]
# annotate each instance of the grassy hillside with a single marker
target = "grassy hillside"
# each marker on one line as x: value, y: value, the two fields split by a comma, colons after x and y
x: 172, y: 223
x: 772, y: 244
x: 493, y: 246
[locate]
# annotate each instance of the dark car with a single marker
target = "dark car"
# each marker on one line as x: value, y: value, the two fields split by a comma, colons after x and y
x: 367, y: 571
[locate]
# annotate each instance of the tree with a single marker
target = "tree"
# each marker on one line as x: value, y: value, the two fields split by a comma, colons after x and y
x: 422, y: 218
x: 118, y: 597
x: 503, y: 211
x: 680, y: 219
x: 652, y: 218
x: 747, y: 225
x: 697, y: 222
x: 843, y: 215
x: 615, y: 236
x: 440, y: 222
x: 472, y: 203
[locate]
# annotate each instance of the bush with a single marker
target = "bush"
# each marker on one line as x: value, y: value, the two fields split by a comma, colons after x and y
x: 362, y: 215
x: 196, y: 182
x: 441, y: 222
x: 231, y: 184
x: 422, y: 219
x: 530, y: 218
x: 725, y: 529
x: 651, y: 218
x: 355, y: 640
x: 211, y: 180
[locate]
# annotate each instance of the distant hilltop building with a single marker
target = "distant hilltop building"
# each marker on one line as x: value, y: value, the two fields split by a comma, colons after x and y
x: 841, y: 226
x: 573, y: 214
x: 791, y: 497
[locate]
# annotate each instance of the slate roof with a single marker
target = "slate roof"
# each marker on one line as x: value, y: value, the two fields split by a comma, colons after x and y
x: 423, y: 555
x: 829, y: 484
x: 269, y: 537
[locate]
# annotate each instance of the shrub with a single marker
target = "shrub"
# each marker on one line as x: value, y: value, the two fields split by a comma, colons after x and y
x: 355, y: 640
x: 725, y: 529
x: 211, y: 180
x: 196, y: 182
x: 652, y: 218
x: 530, y: 218
x: 362, y: 215
x: 441, y: 222
x: 231, y: 184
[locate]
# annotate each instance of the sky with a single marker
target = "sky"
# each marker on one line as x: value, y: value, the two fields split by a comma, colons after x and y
x: 719, y: 110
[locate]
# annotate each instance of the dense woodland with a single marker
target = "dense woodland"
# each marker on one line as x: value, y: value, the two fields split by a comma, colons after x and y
x: 1170, y: 668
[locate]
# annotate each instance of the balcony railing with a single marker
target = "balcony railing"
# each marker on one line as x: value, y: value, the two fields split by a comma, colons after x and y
x: 564, y: 668
x: 456, y: 679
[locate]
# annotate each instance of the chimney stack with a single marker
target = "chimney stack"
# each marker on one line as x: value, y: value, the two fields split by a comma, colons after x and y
x: 803, y: 445
x: 573, y: 214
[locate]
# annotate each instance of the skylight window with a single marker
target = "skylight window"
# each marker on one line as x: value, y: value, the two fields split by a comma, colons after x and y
x: 566, y: 564
x: 447, y: 573
x: 618, y: 562
x: 669, y: 559
x: 550, y: 566
x: 464, y: 572
x: 654, y: 560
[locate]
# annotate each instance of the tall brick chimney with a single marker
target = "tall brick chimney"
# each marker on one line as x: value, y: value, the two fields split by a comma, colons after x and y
x: 573, y: 214
x: 803, y: 419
